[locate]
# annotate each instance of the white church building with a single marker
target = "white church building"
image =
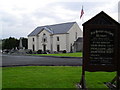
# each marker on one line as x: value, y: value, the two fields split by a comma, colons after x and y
x: 55, y: 38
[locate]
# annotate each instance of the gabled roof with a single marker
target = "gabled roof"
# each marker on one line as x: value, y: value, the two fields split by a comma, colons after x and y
x: 101, y: 18
x: 53, y: 29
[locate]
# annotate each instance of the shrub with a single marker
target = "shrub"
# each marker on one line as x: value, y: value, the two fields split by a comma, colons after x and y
x: 64, y: 51
x: 29, y: 52
x: 39, y: 52
x: 48, y: 51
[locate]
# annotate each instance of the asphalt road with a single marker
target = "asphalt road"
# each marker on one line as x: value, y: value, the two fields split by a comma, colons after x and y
x: 13, y: 60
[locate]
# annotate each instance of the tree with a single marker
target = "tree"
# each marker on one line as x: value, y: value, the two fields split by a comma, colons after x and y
x: 10, y: 43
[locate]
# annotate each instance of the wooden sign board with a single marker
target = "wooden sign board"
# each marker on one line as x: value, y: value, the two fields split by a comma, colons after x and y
x: 100, y: 43
x: 101, y: 47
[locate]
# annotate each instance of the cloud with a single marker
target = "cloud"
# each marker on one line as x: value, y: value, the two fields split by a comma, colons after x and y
x: 19, y: 17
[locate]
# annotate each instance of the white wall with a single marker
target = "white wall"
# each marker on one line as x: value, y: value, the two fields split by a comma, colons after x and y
x: 40, y: 43
x: 61, y: 42
x: 72, y: 34
x: 31, y: 42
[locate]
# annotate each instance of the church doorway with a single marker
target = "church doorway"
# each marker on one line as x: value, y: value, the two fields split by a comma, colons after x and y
x: 33, y: 47
x: 58, y: 48
x: 44, y: 48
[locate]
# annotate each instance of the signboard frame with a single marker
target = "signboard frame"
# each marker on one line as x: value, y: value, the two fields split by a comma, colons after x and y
x: 86, y: 50
x: 101, y: 22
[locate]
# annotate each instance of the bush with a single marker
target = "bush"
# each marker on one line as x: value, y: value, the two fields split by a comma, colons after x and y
x: 55, y: 52
x: 64, y: 51
x: 39, y: 52
x: 29, y: 51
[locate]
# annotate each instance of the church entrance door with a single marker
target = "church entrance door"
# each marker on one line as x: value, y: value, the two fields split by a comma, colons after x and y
x: 44, y: 48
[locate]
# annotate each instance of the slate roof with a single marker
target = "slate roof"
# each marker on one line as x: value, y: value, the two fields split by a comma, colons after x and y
x: 80, y: 39
x: 53, y: 29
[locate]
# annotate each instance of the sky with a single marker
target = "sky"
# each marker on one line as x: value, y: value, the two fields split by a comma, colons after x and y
x: 18, y: 18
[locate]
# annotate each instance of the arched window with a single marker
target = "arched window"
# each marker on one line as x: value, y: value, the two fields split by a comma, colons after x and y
x: 58, y: 39
x: 44, y: 34
x: 33, y: 39
x: 76, y: 35
x: 44, y: 38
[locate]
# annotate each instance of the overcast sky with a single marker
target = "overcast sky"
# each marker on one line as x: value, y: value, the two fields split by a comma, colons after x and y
x: 19, y: 17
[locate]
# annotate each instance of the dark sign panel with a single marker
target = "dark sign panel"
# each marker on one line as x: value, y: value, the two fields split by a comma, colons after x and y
x: 100, y: 43
x: 101, y: 46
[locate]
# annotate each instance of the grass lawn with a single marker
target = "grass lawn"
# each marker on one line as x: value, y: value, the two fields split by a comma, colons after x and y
x: 78, y: 54
x: 51, y: 77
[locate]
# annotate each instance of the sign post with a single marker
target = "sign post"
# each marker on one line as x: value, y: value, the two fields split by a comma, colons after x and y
x: 100, y: 46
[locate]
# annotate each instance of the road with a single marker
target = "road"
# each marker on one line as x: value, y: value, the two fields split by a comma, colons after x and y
x: 13, y: 60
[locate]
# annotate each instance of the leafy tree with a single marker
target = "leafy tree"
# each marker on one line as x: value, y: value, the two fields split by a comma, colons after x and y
x: 10, y: 43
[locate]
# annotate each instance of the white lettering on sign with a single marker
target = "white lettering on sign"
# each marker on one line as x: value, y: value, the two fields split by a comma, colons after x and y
x: 101, y: 47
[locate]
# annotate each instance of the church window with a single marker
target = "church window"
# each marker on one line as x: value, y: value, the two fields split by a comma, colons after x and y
x: 58, y: 39
x: 33, y: 40
x: 76, y: 35
x: 44, y: 34
x: 44, y: 39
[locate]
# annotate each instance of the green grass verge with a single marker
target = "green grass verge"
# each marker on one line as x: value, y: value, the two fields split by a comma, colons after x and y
x: 51, y: 77
x: 79, y: 54
x: 0, y: 78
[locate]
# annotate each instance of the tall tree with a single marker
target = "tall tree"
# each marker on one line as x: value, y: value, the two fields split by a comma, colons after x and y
x: 10, y: 43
